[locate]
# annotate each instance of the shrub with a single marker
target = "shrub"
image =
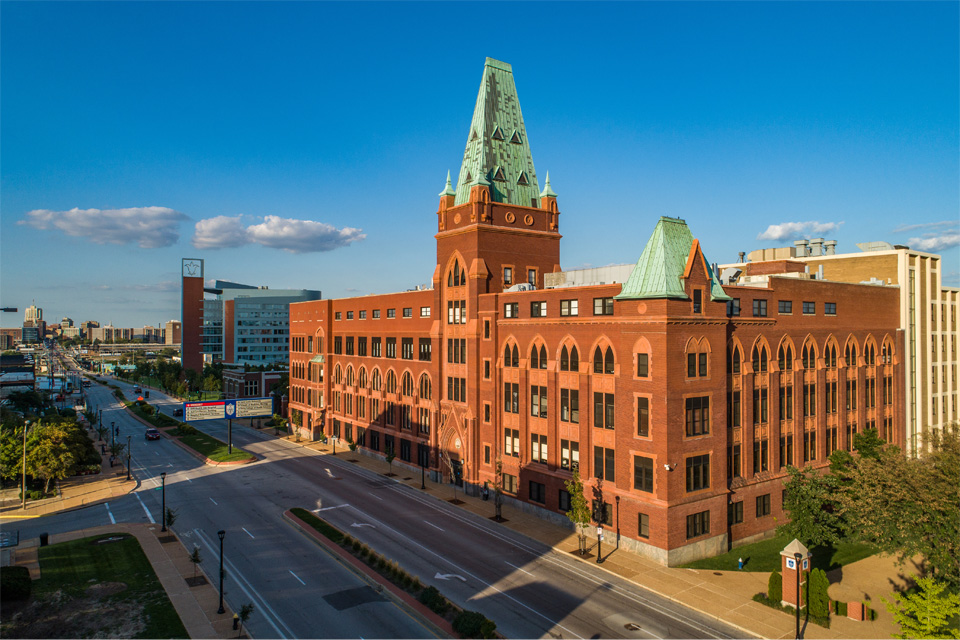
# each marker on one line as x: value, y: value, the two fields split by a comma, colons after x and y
x: 381, y: 563
x: 473, y: 624
x: 775, y: 587
x: 147, y: 410
x: 818, y: 600
x: 417, y: 585
x: 186, y: 430
x: 434, y: 600
x: 15, y: 583
x: 840, y: 608
x: 356, y: 545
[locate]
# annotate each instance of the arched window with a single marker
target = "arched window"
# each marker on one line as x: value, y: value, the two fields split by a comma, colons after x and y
x: 886, y: 353
x: 391, y: 382
x: 564, y: 359
x: 515, y: 357
x: 870, y: 354
x: 760, y: 359
x: 425, y: 390
x: 337, y: 375
x: 538, y: 357
x: 377, y: 383
x: 809, y: 357
x: 598, y: 360
x: 574, y: 359
x: 785, y: 358
x: 362, y: 378
x: 456, y: 276
x: 850, y: 354
x: 350, y: 376
x: 733, y: 365
x: 603, y: 361
x: 830, y: 356
x: 406, y: 386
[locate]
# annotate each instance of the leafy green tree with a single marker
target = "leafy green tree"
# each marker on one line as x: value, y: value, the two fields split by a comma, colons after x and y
x: 908, y: 506
x: 390, y: 458
x: 498, y: 490
x: 196, y: 559
x: 579, y: 513
x: 817, y: 598
x: 927, y: 612
x: 50, y: 457
x: 244, y: 614
x: 868, y: 444
x: 811, y: 502
x: 775, y: 587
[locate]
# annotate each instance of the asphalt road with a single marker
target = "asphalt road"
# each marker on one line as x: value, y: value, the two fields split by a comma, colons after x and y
x: 526, y: 587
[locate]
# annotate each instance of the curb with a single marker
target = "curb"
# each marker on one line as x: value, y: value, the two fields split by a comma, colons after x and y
x: 437, y: 625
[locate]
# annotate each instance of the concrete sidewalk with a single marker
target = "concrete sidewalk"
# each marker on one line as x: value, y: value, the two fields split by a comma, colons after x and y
x: 724, y: 595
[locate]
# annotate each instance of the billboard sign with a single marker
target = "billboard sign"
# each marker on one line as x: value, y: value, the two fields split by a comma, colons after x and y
x: 224, y: 409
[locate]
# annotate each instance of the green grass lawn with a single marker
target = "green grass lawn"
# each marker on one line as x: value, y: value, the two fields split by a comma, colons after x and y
x: 213, y: 448
x: 765, y: 556
x: 74, y: 567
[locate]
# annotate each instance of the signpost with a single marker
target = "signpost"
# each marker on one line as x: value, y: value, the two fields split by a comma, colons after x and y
x: 228, y: 410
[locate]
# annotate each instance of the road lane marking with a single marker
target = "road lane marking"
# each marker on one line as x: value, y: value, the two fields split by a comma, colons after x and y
x: 376, y: 496
x: 214, y: 501
x: 435, y: 526
x: 518, y: 568
x: 297, y: 577
x: 328, y: 508
x: 110, y: 513
x: 248, y: 533
x: 145, y: 510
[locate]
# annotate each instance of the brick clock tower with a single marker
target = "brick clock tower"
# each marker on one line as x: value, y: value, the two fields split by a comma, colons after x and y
x: 495, y: 230
x: 191, y: 313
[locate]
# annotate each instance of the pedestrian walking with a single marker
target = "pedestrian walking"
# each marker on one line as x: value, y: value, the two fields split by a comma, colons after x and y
x: 740, y: 564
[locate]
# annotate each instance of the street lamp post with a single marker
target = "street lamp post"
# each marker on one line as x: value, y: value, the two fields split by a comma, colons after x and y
x: 797, y: 557
x: 128, y: 457
x: 220, y: 535
x: 23, y: 495
x: 113, y: 434
x: 618, y: 522
x: 599, y: 541
x: 163, y: 508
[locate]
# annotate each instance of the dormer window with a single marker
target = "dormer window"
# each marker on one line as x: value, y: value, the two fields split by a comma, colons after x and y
x: 498, y: 134
x: 515, y: 138
x: 522, y: 178
x: 498, y: 174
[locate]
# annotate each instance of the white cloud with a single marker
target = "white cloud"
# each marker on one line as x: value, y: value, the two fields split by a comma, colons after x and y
x: 149, y: 227
x: 797, y: 230
x: 925, y: 225
x: 288, y: 234
x: 220, y: 232
x: 935, y: 243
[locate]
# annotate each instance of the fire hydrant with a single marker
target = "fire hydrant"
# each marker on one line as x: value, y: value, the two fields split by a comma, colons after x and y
x: 236, y: 621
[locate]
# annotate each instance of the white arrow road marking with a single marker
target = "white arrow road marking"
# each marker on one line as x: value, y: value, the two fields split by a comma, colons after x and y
x: 519, y: 569
x: 447, y: 576
x: 328, y: 508
x: 362, y: 524
x: 329, y: 473
x: 145, y: 510
x: 248, y: 533
x: 297, y: 577
x: 432, y: 525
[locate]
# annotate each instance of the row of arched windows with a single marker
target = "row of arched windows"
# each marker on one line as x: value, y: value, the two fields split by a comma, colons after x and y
x: 603, y: 360
x: 808, y: 356
x: 376, y: 381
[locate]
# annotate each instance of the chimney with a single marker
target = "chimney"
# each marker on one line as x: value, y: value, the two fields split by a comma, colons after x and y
x: 743, y: 254
x: 802, y: 250
x: 816, y: 247
x: 830, y: 248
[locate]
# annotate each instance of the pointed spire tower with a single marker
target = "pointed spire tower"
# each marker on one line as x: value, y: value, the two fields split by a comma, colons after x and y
x: 497, y: 153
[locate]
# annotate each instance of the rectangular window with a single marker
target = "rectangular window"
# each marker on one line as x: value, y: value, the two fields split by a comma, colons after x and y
x: 809, y: 308
x: 643, y: 525
x: 786, y: 450
x: 643, y: 474
x: 698, y: 472
x: 511, y: 310
x: 809, y: 400
x: 532, y: 276
x: 511, y: 397
x: 734, y: 460
x: 509, y: 484
x: 760, y: 455
x: 391, y: 351
x: 603, y: 306
x: 408, y: 312
x: 698, y: 524
x: 697, y: 301
x: 733, y: 307
x: 486, y: 412
x: 426, y: 349
x: 763, y: 505
x: 643, y: 365
x: 759, y: 406
x: 486, y: 369
x: 603, y: 410
x: 486, y: 451
x: 376, y: 314
x: 702, y: 360
x: 603, y: 513
x: 809, y: 446
x: 829, y: 308
x: 538, y: 492
x: 349, y: 346
x: 511, y: 442
x: 349, y: 315
x: 698, y: 416
x: 362, y: 346
x: 486, y: 329
x: 786, y: 403
x: 375, y: 347
x: 691, y: 365
x: 538, y: 448
x: 406, y: 348
x: 337, y: 345
x: 538, y: 309
x: 569, y: 308
x: 563, y: 501
x: 424, y: 312
x: 538, y: 401
x: 733, y: 409
x: 603, y: 464
x: 363, y: 315
x: 759, y: 308
x: 336, y: 315
x: 391, y: 313
x: 643, y: 417
x: 507, y: 276
x: 785, y: 307
x: 735, y: 512
x: 569, y: 455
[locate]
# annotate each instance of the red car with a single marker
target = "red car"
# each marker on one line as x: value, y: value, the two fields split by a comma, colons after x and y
x: 152, y: 434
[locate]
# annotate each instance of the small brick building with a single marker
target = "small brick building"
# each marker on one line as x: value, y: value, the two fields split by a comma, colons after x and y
x: 679, y: 400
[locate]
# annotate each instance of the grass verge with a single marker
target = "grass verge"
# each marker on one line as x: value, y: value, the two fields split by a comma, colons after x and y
x: 765, y: 556
x: 91, y: 589
x: 214, y: 449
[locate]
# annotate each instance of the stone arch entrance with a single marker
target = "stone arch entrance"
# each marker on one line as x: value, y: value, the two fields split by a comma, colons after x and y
x: 453, y: 454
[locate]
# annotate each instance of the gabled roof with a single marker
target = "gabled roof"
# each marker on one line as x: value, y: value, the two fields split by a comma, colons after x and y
x: 497, y: 143
x: 665, y: 262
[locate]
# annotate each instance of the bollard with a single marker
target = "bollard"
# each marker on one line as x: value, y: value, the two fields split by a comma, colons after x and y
x: 44, y: 539
x: 236, y: 621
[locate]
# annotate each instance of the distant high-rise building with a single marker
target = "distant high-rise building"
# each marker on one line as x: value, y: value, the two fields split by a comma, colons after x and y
x: 33, y: 314
x: 172, y: 332
x: 66, y: 322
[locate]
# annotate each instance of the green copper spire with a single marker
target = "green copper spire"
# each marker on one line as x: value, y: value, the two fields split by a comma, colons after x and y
x: 659, y: 271
x: 547, y: 191
x: 448, y: 190
x: 497, y: 151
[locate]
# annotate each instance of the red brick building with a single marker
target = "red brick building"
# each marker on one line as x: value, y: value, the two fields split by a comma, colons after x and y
x: 680, y: 401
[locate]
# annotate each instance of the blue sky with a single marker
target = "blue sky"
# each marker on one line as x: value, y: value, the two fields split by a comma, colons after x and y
x: 303, y: 145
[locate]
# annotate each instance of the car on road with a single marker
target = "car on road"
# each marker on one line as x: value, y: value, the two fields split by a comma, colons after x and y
x: 152, y: 434
x: 178, y: 412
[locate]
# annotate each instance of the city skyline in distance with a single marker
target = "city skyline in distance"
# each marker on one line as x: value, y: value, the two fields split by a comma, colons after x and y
x: 284, y: 158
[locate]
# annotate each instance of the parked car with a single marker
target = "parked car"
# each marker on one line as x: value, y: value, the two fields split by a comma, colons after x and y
x: 137, y: 389
x: 178, y: 412
x: 152, y: 434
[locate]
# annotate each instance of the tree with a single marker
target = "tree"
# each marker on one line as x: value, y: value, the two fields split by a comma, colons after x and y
x: 50, y: 457
x: 817, y: 598
x: 810, y: 500
x: 775, y: 587
x: 868, y: 444
x: 389, y: 458
x: 925, y: 613
x: 245, y: 612
x: 498, y: 490
x: 579, y: 513
x: 908, y: 506
x: 196, y: 559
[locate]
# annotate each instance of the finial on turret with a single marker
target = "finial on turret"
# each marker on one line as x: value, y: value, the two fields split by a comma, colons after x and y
x: 448, y: 190
x: 547, y: 191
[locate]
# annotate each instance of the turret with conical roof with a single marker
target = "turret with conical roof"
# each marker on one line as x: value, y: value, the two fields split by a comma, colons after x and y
x: 497, y: 152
